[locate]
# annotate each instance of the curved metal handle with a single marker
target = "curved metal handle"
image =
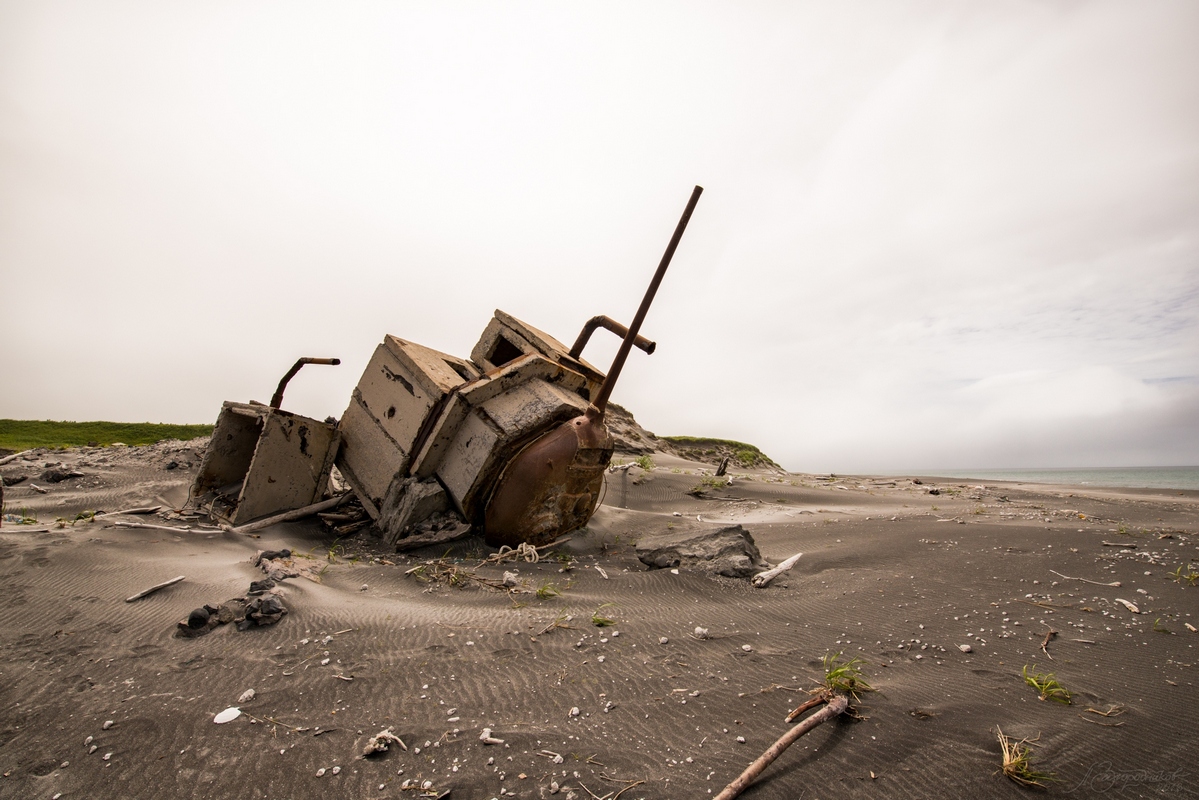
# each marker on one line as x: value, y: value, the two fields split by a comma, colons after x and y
x: 277, y: 399
x: 607, y: 323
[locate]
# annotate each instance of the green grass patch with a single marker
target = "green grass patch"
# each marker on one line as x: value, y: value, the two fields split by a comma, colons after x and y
x: 746, y: 455
x: 26, y: 434
x: 1047, y: 684
x: 845, y: 677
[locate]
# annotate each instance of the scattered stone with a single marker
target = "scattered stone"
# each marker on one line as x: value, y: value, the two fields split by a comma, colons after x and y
x: 336, y: 770
x: 701, y: 633
x: 965, y: 648
x: 574, y: 711
x: 198, y: 618
x: 747, y: 648
x: 320, y: 773
x: 663, y: 640
x: 260, y: 587
x: 728, y: 551
x: 487, y: 738
x: 246, y: 696
x: 107, y: 724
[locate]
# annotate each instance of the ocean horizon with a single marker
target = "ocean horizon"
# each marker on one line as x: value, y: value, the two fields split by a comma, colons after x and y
x: 1114, y: 477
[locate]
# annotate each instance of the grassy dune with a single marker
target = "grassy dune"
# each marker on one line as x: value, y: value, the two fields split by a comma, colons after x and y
x: 24, y: 434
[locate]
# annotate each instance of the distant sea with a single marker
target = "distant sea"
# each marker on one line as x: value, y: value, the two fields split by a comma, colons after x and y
x: 1123, y: 477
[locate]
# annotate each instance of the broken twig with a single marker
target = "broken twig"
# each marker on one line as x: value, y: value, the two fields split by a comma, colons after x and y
x: 1044, y: 644
x: 153, y: 589
x: 836, y: 705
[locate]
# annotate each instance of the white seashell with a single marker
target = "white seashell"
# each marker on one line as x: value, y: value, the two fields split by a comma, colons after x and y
x: 228, y: 715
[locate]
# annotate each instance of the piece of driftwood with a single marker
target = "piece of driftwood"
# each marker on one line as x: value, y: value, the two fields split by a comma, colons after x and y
x: 38, y: 489
x: 141, y: 510
x: 172, y: 529
x: 763, y: 578
x: 1084, y: 580
x: 434, y: 537
x: 153, y: 589
x: 289, y: 516
x: 836, y: 705
x: 13, y: 457
x: 1124, y: 545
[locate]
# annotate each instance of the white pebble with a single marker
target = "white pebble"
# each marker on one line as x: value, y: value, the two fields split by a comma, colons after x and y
x: 574, y: 711
x: 741, y: 739
x: 246, y: 696
x: 663, y: 640
x: 107, y: 724
x: 747, y: 648
x: 336, y: 770
x: 320, y: 772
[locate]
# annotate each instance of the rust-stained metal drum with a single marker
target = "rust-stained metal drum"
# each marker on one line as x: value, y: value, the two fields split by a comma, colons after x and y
x: 552, y: 486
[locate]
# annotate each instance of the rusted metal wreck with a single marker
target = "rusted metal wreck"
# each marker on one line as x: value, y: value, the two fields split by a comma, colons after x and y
x: 510, y: 442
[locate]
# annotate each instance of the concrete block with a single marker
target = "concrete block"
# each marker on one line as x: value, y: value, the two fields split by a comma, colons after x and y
x: 264, y: 460
x: 408, y: 503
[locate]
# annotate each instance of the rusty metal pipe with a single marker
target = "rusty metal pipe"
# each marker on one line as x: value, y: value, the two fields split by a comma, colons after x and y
x: 601, y: 400
x: 607, y: 323
x: 277, y: 399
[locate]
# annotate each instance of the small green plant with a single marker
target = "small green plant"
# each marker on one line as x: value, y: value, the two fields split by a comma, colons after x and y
x: 601, y: 621
x: 1190, y: 576
x: 1017, y: 761
x: 23, y: 517
x: 646, y: 462
x: 1047, y: 684
x: 548, y: 590
x: 844, y: 677
x: 706, y: 483
x: 1122, y: 528
x: 1159, y: 628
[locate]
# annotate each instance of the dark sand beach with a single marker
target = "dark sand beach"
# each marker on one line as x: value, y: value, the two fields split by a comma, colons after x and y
x: 890, y: 573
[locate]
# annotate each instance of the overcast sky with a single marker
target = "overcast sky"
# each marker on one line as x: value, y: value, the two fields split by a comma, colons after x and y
x: 933, y: 235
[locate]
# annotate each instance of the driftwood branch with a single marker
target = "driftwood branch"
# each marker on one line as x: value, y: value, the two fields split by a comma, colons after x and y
x: 836, y: 706
x: 289, y: 516
x: 141, y: 510
x: 762, y: 578
x: 1084, y: 580
x: 153, y: 589
x: 171, y: 528
x: 13, y: 457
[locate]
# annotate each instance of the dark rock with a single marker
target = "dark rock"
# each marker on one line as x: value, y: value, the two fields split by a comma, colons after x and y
x: 271, y: 555
x: 727, y: 551
x: 934, y: 491
x: 59, y: 473
x: 12, y: 478
x: 258, y: 587
x: 265, y: 610
x: 172, y: 465
x: 198, y: 618
x: 917, y: 481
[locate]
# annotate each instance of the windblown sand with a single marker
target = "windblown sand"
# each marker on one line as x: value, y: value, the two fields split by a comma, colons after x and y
x: 890, y: 573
